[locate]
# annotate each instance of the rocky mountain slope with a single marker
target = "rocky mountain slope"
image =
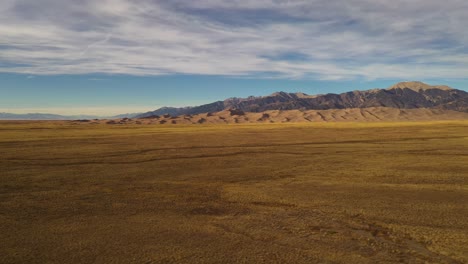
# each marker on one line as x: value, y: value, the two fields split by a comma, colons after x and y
x: 404, y: 95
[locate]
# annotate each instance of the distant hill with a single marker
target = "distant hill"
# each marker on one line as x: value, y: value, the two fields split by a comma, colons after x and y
x: 44, y: 116
x: 32, y: 116
x: 128, y: 115
x: 404, y: 95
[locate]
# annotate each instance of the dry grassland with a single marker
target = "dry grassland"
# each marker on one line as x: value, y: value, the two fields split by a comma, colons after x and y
x: 268, y: 193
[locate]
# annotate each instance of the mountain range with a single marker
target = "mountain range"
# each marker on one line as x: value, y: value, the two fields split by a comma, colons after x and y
x: 416, y: 98
x: 404, y: 95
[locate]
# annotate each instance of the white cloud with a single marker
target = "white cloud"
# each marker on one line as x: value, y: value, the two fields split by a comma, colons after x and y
x: 337, y: 39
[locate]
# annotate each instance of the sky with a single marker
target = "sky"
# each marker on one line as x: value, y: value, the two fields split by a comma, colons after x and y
x: 123, y: 56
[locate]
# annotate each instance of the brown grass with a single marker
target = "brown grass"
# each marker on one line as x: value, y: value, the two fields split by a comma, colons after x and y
x: 271, y: 193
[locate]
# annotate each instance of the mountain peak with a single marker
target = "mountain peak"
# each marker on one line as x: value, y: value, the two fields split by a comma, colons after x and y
x: 290, y: 95
x: 281, y: 93
x: 417, y: 86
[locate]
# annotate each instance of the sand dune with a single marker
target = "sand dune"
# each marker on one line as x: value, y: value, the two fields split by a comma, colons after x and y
x: 373, y: 114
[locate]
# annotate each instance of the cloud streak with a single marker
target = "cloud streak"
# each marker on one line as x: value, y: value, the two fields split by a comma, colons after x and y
x: 327, y: 40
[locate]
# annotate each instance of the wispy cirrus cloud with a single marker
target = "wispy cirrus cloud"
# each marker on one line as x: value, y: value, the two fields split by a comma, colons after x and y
x: 318, y: 39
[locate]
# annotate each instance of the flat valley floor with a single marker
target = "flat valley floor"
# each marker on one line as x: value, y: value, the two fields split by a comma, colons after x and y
x: 266, y: 193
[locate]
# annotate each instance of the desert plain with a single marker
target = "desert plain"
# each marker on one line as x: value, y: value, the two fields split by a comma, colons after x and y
x: 381, y: 192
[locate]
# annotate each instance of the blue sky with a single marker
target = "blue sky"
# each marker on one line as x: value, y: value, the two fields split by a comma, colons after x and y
x: 117, y: 56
